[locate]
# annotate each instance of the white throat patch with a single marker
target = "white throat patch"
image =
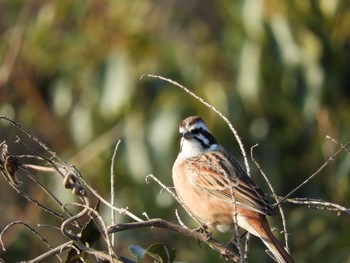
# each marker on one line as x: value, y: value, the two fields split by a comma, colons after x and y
x: 193, y: 148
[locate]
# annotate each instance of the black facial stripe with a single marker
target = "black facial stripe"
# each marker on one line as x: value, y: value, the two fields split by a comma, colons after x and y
x: 204, y: 145
x: 206, y: 134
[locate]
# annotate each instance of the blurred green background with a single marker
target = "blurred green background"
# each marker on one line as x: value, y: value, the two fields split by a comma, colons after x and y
x: 279, y: 70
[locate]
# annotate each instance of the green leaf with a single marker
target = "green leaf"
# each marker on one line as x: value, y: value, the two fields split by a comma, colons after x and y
x: 89, y: 235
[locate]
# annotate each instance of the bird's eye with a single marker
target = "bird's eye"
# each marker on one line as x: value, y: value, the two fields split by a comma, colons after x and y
x: 187, y: 135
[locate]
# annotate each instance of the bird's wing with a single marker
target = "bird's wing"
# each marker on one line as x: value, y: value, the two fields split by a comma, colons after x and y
x: 226, y: 179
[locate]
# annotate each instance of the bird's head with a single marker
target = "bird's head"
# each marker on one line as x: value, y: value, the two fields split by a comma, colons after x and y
x: 195, y: 137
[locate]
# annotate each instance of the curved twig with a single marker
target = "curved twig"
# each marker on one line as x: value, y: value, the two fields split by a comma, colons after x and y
x: 52, y: 252
x: 103, y: 230
x: 19, y: 222
x: 213, y: 108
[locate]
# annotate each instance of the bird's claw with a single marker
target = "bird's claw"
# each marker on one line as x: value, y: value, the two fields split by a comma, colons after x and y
x: 232, y: 246
x: 204, y: 230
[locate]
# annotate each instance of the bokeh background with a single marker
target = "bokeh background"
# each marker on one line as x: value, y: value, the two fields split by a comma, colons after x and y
x: 279, y: 70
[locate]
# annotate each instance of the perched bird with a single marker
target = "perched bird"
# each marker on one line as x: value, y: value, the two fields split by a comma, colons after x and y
x: 208, y: 179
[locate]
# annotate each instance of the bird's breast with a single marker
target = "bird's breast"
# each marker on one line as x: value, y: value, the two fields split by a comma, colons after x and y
x: 206, y: 207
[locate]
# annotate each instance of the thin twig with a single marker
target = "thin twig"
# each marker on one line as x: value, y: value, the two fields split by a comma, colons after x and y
x: 213, y: 108
x: 246, y: 246
x: 43, y: 239
x: 179, y: 219
x: 77, y: 245
x: 68, y: 233
x: 284, y: 221
x: 102, y: 229
x: 38, y: 168
x: 338, y: 143
x: 112, y: 188
x: 175, y: 197
x: 235, y: 220
x: 21, y: 167
x: 41, y: 144
x: 49, y: 160
x: 122, y: 211
x: 52, y: 252
x: 31, y: 199
x: 47, y: 191
x: 87, y: 210
x: 319, y: 204
x: 330, y: 159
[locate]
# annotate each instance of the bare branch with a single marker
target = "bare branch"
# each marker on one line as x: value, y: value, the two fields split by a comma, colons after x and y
x: 236, y: 235
x: 43, y: 239
x: 318, y: 204
x: 338, y: 143
x: 330, y: 159
x: 173, y: 195
x: 179, y: 219
x: 112, y: 187
x: 122, y: 211
x: 102, y: 229
x: 31, y: 199
x: 210, y: 106
x: 160, y: 223
x: 53, y: 252
x: 29, y: 135
x: 284, y: 221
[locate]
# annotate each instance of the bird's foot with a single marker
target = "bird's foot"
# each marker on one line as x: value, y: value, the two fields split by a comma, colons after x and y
x: 232, y: 246
x: 231, y: 251
x: 204, y: 230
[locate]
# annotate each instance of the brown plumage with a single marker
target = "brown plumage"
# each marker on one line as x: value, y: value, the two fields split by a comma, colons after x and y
x: 207, y: 179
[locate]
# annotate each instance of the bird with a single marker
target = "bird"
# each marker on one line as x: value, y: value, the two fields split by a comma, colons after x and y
x: 212, y: 184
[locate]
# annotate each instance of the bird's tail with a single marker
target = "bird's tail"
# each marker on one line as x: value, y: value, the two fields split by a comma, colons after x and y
x: 279, y: 252
x: 281, y: 255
